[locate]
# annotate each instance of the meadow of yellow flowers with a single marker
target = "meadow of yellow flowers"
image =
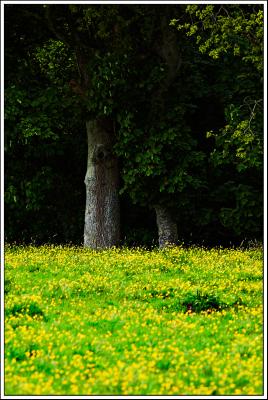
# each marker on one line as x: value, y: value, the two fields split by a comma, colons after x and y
x: 133, y: 322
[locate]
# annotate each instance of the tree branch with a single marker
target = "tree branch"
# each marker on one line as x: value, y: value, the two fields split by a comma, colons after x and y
x: 52, y: 28
x: 167, y: 48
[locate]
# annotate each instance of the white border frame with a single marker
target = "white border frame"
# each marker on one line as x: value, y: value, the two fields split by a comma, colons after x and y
x: 265, y: 192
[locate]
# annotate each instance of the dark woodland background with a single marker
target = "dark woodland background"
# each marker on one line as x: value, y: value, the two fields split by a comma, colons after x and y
x: 202, y: 154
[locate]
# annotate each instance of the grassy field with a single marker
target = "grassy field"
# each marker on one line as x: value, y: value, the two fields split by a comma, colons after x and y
x: 133, y: 322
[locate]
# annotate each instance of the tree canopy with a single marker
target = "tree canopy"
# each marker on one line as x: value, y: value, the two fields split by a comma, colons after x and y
x: 182, y: 89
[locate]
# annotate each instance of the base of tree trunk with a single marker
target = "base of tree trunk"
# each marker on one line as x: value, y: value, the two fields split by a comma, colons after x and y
x: 167, y: 227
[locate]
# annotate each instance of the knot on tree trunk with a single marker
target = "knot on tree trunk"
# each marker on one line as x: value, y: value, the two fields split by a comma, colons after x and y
x: 101, y: 154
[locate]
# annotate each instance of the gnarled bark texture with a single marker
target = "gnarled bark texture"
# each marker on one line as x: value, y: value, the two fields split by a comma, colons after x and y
x: 167, y: 228
x: 102, y: 218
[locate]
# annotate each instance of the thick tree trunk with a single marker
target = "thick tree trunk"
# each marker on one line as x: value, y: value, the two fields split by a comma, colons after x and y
x: 102, y: 217
x: 167, y: 228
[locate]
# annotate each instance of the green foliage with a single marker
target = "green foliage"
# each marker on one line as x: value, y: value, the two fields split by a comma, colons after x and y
x: 227, y: 29
x: 31, y: 309
x: 109, y: 79
x: 33, y: 115
x: 55, y: 61
x: 195, y: 145
x: 197, y: 302
x: 240, y: 142
x: 42, y: 118
x: 233, y: 34
x: 247, y: 210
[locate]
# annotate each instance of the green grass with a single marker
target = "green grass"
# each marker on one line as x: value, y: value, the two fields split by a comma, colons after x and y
x: 133, y: 322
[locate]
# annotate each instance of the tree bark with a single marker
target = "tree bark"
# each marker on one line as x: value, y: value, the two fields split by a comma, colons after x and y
x: 102, y: 216
x: 168, y: 49
x: 167, y: 228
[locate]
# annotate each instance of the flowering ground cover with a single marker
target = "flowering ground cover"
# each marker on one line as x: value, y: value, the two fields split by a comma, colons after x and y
x: 133, y: 322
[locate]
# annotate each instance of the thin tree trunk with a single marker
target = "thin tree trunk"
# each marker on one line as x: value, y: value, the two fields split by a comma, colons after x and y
x: 102, y: 215
x: 168, y: 49
x: 167, y: 228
